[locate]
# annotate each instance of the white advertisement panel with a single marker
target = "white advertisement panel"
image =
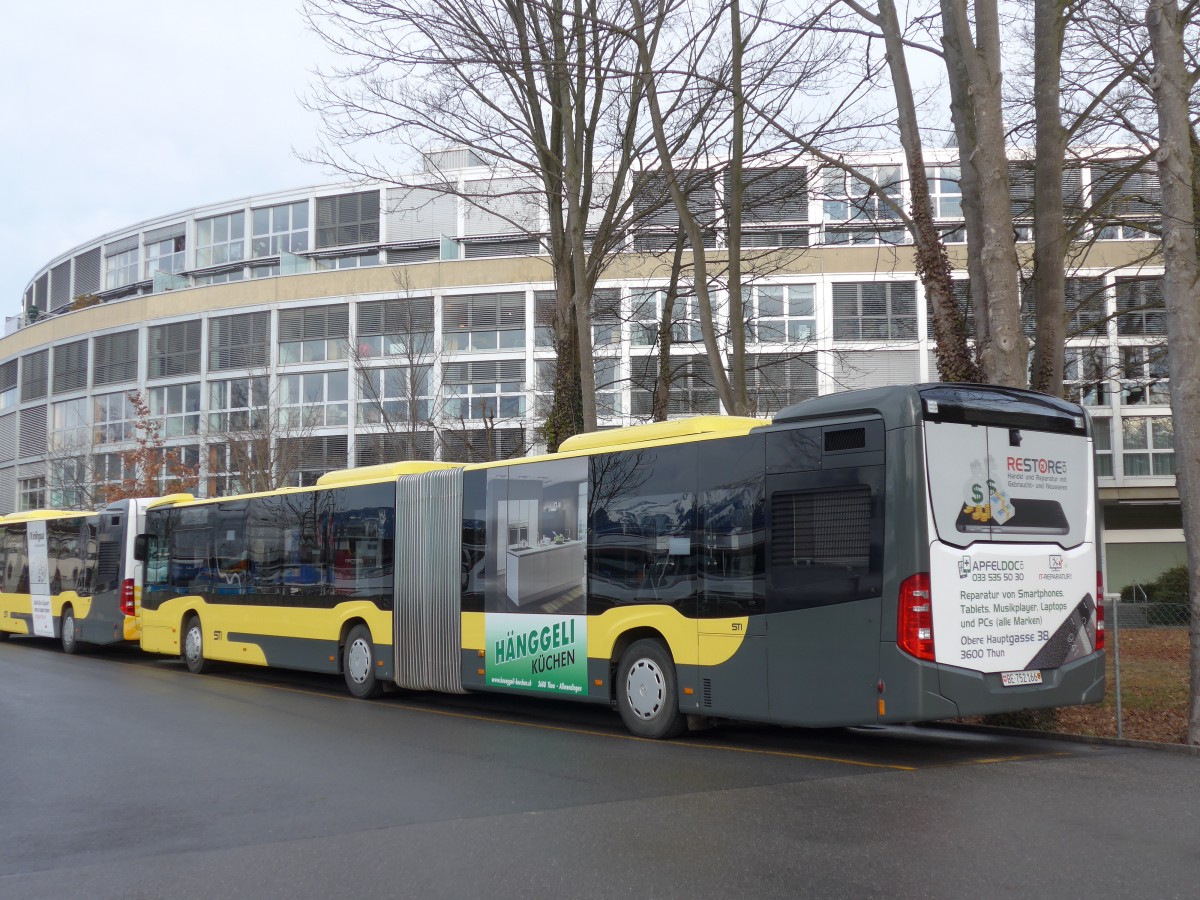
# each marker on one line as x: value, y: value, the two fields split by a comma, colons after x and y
x: 39, y: 579
x: 1008, y: 484
x: 1006, y: 607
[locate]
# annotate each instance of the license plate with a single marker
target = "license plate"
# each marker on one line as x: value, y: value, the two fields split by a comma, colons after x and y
x: 1013, y: 679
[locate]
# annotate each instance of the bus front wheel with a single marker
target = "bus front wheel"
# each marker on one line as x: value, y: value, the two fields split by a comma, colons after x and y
x: 647, y: 694
x: 70, y: 631
x: 358, y: 664
x: 192, y: 649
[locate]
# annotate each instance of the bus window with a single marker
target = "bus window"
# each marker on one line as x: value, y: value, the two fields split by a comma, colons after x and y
x: 732, y: 527
x: 641, y: 522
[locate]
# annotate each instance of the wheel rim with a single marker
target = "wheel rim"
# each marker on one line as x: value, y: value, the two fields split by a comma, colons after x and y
x: 192, y: 644
x: 68, y: 629
x: 358, y: 660
x: 645, y: 689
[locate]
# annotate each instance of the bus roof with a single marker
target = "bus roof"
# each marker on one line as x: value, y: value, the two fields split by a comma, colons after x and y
x: 338, y: 478
x: 636, y: 437
x: 660, y: 431
x: 35, y: 515
x: 381, y: 472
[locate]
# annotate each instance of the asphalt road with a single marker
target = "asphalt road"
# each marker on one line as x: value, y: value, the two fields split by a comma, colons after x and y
x: 124, y: 776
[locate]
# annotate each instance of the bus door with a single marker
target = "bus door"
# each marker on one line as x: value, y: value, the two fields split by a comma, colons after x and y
x: 825, y: 539
x: 732, y: 625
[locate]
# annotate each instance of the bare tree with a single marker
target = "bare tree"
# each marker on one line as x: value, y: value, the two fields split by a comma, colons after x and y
x: 1172, y: 83
x: 539, y: 91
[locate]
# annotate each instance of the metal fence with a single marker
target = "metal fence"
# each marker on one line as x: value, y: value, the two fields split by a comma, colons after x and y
x: 1139, y: 613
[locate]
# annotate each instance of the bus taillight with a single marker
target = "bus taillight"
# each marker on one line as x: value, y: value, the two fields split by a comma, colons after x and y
x: 1099, y: 610
x: 127, y: 597
x: 914, y: 625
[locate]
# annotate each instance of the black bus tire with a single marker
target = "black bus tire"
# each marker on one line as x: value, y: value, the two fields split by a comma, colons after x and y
x: 358, y: 664
x: 647, y: 692
x: 191, y: 645
x: 69, y: 631
x: 4, y: 636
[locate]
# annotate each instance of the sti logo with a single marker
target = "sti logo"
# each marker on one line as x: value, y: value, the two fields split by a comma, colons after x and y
x: 1056, y: 562
x: 964, y: 567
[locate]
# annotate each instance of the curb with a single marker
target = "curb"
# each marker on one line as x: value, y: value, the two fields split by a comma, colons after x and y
x: 1185, y: 749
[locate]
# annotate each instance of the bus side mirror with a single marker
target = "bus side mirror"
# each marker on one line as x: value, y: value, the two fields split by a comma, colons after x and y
x: 141, y: 547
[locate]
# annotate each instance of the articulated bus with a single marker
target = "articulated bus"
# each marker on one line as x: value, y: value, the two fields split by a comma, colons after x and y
x: 71, y: 575
x: 883, y: 556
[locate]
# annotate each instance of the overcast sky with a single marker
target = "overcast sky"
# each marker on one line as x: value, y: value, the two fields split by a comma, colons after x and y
x: 123, y: 111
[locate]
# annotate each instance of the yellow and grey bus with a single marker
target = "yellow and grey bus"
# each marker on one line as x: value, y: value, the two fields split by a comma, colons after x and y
x: 882, y: 556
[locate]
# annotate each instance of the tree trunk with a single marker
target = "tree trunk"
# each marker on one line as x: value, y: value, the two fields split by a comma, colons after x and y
x: 975, y: 79
x: 1049, y: 228
x: 1170, y: 84
x: 954, y: 359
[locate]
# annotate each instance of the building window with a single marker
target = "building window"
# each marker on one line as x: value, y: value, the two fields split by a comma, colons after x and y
x: 121, y: 269
x: 112, y: 470
x: 282, y: 228
x: 237, y: 404
x: 1144, y: 376
x: 1102, y: 434
x: 220, y: 240
x: 115, y: 418
x: 648, y: 310
x: 1129, y: 194
x: 483, y: 322
x: 351, y: 261
x: 69, y: 426
x: 239, y: 342
x: 31, y: 493
x: 484, y: 390
x: 608, y: 386
x: 70, y: 366
x: 1140, y: 307
x: 314, y: 334
x: 691, y: 390
x: 401, y: 328
x: 35, y: 371
x: 116, y: 358
x: 1085, y: 376
x: 778, y: 380
x: 780, y: 314
x: 219, y: 277
x: 70, y: 486
x: 397, y: 395
x: 854, y: 202
x: 229, y: 464
x: 175, y: 349
x: 165, y: 256
x: 8, y: 384
x: 875, y: 311
x: 1148, y: 446
x: 314, y: 399
x: 176, y: 468
x: 945, y: 192
x: 606, y: 318
x: 177, y: 408
x: 348, y: 219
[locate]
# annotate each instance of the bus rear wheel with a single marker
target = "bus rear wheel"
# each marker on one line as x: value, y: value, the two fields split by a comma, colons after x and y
x: 647, y: 694
x: 358, y: 664
x: 70, y: 631
x: 192, y: 646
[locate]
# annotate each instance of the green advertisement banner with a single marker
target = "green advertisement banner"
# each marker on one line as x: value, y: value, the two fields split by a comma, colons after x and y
x: 537, y: 652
